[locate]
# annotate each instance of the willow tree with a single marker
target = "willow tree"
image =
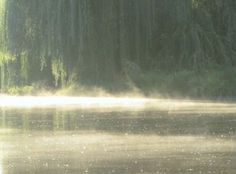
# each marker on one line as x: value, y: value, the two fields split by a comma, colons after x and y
x: 2, y: 49
x: 185, y: 36
x: 66, y: 35
x: 224, y: 22
x: 88, y: 41
x: 5, y: 56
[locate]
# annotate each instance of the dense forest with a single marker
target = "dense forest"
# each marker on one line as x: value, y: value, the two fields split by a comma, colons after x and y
x: 95, y: 42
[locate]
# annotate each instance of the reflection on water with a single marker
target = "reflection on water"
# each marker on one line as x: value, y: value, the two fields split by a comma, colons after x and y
x: 105, y: 141
x: 139, y: 122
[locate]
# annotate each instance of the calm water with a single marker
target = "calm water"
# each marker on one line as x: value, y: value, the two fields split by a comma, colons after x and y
x: 117, y: 141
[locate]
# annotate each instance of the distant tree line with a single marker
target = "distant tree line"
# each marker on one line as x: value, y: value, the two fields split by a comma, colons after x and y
x: 61, y: 41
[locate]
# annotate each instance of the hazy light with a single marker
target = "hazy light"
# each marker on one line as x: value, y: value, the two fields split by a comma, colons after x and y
x: 115, y: 146
x: 31, y: 101
x: 172, y: 106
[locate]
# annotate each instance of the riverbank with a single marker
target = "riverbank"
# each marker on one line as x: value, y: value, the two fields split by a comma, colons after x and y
x: 211, y: 84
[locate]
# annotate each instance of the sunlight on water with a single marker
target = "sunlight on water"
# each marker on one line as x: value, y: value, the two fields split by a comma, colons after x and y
x: 1, y: 170
x: 31, y: 101
x: 120, y: 138
x: 173, y: 106
x: 65, y: 152
x: 1, y: 157
x: 114, y: 146
x: 121, y: 144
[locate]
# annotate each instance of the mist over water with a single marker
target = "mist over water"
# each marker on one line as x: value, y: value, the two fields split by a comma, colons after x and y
x: 169, y: 48
x: 114, y: 103
x: 109, y: 135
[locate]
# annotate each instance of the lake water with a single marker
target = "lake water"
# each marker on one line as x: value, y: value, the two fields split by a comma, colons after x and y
x: 154, y: 137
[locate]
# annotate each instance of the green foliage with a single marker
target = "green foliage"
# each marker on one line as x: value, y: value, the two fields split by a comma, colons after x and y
x: 58, y: 72
x: 4, y: 54
x: 5, y: 57
x: 24, y: 66
x: 202, y: 84
x: 21, y: 90
x: 90, y: 43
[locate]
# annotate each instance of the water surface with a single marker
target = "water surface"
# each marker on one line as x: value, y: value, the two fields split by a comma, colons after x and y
x: 160, y: 136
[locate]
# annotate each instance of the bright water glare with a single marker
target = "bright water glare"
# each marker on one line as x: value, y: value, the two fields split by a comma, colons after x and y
x: 73, y: 135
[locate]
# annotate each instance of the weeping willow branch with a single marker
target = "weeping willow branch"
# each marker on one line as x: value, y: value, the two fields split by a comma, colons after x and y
x: 61, y: 38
